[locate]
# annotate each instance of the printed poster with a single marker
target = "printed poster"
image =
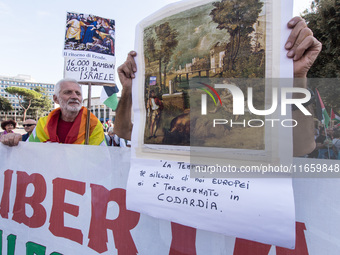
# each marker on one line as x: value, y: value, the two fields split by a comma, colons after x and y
x: 89, y: 48
x: 185, y: 52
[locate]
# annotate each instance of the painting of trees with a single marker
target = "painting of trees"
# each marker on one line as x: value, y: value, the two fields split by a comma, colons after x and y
x: 151, y: 49
x: 218, y: 39
x: 161, y: 48
x: 23, y: 95
x: 237, y: 17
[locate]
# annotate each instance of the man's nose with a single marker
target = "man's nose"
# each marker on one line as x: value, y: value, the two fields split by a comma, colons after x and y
x: 75, y: 95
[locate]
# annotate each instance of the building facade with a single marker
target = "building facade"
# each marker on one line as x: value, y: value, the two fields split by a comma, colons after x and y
x: 23, y: 81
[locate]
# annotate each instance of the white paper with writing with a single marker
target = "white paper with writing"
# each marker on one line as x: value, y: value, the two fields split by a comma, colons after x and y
x: 257, y: 209
x: 261, y: 210
x: 92, y: 67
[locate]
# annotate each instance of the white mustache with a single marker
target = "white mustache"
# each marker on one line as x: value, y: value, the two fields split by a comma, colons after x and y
x: 73, y: 101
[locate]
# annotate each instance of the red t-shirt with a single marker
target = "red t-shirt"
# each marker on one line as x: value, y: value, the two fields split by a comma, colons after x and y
x: 63, y: 129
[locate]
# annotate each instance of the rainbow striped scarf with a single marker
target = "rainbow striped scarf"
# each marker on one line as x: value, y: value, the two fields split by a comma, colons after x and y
x: 46, y: 129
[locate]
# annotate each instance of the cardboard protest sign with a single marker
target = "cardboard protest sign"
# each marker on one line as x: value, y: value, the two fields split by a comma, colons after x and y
x: 176, y: 45
x: 89, y: 48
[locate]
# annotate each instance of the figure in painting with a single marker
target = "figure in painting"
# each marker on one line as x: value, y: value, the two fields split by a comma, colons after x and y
x: 154, y: 107
x: 73, y: 29
x: 88, y: 37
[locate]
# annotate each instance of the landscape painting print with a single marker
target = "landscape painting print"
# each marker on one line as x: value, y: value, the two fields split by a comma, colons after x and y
x: 184, y: 55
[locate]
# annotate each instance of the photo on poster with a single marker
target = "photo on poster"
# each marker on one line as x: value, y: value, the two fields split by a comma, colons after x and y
x: 89, y: 33
x: 198, y: 43
x: 184, y: 53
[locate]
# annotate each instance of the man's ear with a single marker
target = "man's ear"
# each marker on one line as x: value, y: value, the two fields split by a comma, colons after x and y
x: 55, y: 99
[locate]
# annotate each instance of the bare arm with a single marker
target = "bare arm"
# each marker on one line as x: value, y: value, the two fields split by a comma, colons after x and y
x: 126, y: 72
x: 303, y: 48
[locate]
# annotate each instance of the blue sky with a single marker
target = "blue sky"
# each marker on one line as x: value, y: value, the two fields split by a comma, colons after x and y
x: 33, y: 31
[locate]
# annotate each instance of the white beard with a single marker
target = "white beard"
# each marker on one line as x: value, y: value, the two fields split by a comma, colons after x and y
x: 65, y: 105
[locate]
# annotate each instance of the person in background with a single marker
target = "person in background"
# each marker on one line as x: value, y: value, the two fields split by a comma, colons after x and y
x: 113, y: 140
x: 324, y: 145
x: 28, y: 125
x: 8, y: 126
x: 320, y: 143
x: 336, y: 142
x: 105, y: 126
x: 316, y: 130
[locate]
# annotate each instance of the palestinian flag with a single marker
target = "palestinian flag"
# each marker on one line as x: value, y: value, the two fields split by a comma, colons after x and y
x: 109, y: 96
x: 321, y: 112
x: 335, y: 116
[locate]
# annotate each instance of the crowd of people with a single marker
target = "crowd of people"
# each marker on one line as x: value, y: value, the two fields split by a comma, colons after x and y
x: 111, y: 138
x: 8, y: 127
x: 327, y: 143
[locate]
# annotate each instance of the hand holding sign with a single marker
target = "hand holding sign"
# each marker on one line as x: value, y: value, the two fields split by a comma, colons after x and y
x: 127, y: 70
x: 11, y: 139
x: 302, y: 46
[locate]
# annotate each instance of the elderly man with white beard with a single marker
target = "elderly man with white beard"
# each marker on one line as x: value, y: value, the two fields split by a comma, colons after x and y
x: 67, y: 123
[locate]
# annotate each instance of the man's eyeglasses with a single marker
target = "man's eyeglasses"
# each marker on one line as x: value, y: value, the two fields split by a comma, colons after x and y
x: 28, y: 125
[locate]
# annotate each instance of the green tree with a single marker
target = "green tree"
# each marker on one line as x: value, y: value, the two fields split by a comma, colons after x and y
x: 41, y: 106
x: 5, y: 105
x: 168, y: 39
x: 23, y: 95
x: 238, y: 18
x: 324, y: 20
